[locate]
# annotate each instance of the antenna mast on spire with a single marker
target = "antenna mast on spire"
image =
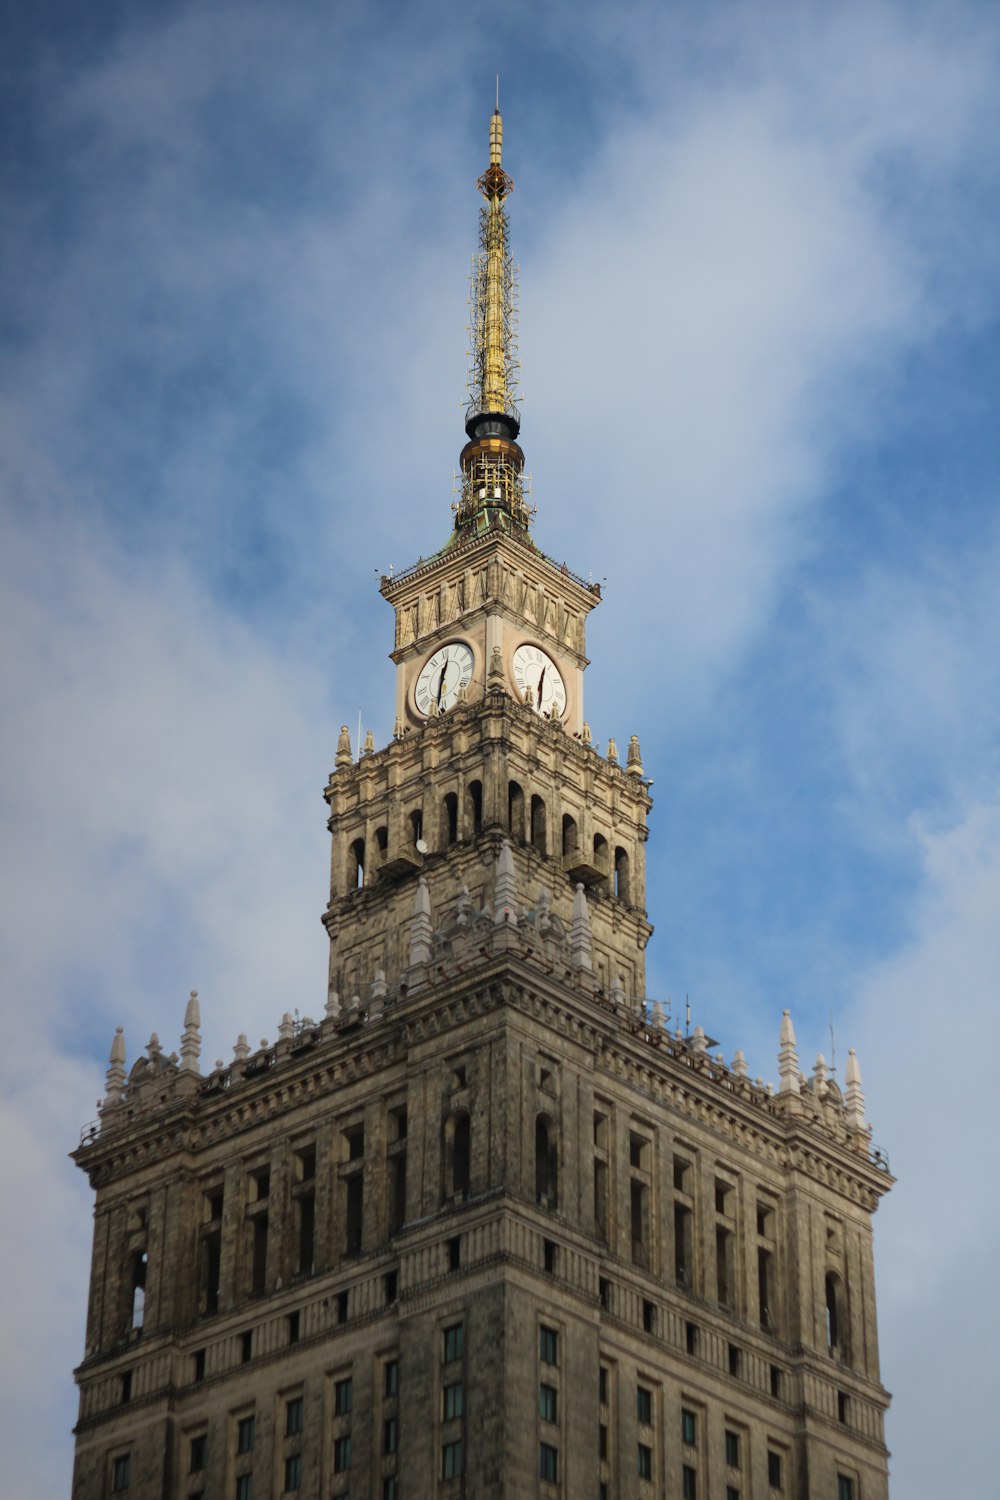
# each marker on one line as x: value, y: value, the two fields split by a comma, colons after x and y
x: 492, y: 462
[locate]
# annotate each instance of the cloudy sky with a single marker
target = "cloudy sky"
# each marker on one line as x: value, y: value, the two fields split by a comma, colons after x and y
x: 760, y: 316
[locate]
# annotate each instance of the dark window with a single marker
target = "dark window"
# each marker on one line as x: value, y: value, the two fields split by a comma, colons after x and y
x: 244, y: 1487
x: 397, y: 1192
x: 246, y: 1346
x: 515, y: 810
x: 343, y: 1397
x: 689, y: 1486
x: 623, y: 888
x: 601, y: 1198
x: 355, y: 1137
x: 689, y: 1427
x: 474, y: 805
x: 293, y: 1472
x: 391, y: 1386
x: 417, y: 824
x: 644, y: 1461
x: 724, y: 1267
x: 681, y: 1170
x: 245, y: 1429
x: 305, y: 1208
x: 545, y: 1162
x: 842, y: 1408
x: 639, y: 1203
x: 461, y: 1155
x: 455, y: 1253
x: 453, y: 1400
x: 682, y: 1244
x: 733, y: 1449
x: 120, y: 1470
x: 774, y: 1470
x: 765, y: 1288
x: 602, y: 1441
x: 538, y: 825
x: 765, y: 1222
x: 602, y: 1386
x: 294, y: 1323
x: 547, y: 1403
x: 648, y: 1316
x: 138, y: 1304
x: 722, y: 1191
x: 198, y: 1363
x: 454, y: 1342
x: 356, y: 864
x: 569, y: 835
x: 199, y: 1452
x: 735, y: 1359
x: 211, y: 1268
x: 449, y: 819
x: 549, y: 1255
x: 776, y: 1382
x: 845, y: 1487
x: 836, y: 1322
x: 691, y: 1337
x: 125, y: 1393
x: 390, y: 1488
x: 732, y: 1493
x: 548, y: 1463
x: 342, y: 1307
x: 548, y: 1346
x: 342, y: 1454
x: 644, y: 1405
x: 355, y: 1214
x: 305, y: 1163
x: 294, y: 1412
x: 391, y: 1287
x: 390, y: 1435
x: 604, y: 1291
x: 451, y: 1460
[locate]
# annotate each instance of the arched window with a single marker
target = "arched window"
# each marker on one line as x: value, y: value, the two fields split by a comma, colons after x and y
x: 137, y: 1312
x: 449, y: 819
x: 457, y: 1155
x: 356, y: 865
x: 622, y: 884
x: 515, y: 810
x: 546, y: 1162
x: 569, y: 835
x: 836, y: 1316
x: 417, y: 824
x: 538, y: 827
x: 601, y: 852
x: 474, y: 807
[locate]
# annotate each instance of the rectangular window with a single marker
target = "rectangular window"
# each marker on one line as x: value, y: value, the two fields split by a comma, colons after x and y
x: 776, y: 1382
x: 390, y: 1488
x: 342, y: 1454
x: 390, y: 1435
x: 246, y: 1346
x: 733, y: 1449
x: 294, y: 1323
x: 199, y: 1449
x: 548, y: 1463
x: 293, y: 1472
x: 602, y: 1441
x: 198, y: 1364
x: 842, y: 1407
x: 732, y: 1493
x: 354, y: 1218
x: 691, y: 1337
x: 644, y: 1461
x: 774, y: 1470
x: 735, y: 1360
x: 453, y: 1401
x: 689, y: 1485
x: 648, y: 1316
x: 294, y: 1411
x: 343, y: 1397
x: 547, y: 1403
x: 454, y: 1342
x: 602, y: 1386
x: 644, y: 1405
x: 548, y: 1345
x: 120, y: 1470
x: 391, y: 1377
x: 244, y: 1487
x: 126, y: 1387
x: 451, y: 1460
x: 845, y: 1487
x: 245, y: 1434
x: 689, y: 1427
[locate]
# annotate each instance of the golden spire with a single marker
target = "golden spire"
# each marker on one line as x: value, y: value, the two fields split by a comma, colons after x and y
x: 492, y: 463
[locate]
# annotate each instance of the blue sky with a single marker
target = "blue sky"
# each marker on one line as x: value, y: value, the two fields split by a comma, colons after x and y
x: 760, y: 305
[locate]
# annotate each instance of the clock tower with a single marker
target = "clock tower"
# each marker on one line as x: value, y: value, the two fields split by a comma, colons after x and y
x: 491, y: 746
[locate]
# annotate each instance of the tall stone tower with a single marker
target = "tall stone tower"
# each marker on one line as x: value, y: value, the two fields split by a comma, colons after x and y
x: 489, y: 1227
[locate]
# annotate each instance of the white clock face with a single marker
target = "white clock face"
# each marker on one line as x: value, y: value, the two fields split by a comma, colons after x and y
x: 448, y: 670
x: 534, y: 669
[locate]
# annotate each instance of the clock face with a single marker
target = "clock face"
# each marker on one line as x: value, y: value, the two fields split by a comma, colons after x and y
x: 449, y: 669
x: 534, y: 669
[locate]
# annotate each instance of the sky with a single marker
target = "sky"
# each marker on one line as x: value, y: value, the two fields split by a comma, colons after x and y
x: 760, y: 307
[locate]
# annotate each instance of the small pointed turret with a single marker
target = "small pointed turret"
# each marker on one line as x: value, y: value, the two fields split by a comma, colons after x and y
x: 191, y: 1040
x: 421, y: 930
x: 788, y: 1058
x: 115, y: 1078
x: 505, y: 892
x: 634, y: 763
x: 612, y: 751
x: 344, y: 756
x: 580, y: 945
x: 854, y: 1099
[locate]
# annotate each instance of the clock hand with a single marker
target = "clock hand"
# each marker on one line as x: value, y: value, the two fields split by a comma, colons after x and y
x: 540, y: 681
x: 441, y: 684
